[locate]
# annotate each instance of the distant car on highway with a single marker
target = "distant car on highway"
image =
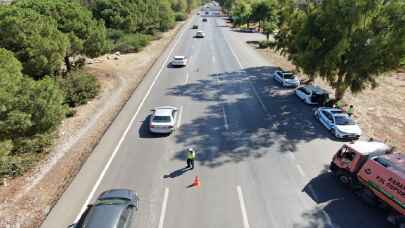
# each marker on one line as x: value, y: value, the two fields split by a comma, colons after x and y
x: 179, y: 61
x: 163, y: 120
x: 112, y: 209
x: 195, y: 26
x: 200, y: 34
x: 204, y: 19
x: 286, y: 79
x: 338, y: 122
x: 313, y: 95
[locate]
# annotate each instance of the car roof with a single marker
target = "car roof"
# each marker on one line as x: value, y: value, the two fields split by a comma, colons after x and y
x: 179, y: 57
x: 163, y: 111
x: 104, y: 216
x: 316, y: 89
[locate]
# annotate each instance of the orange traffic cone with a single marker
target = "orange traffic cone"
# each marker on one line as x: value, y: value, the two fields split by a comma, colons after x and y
x: 196, y: 182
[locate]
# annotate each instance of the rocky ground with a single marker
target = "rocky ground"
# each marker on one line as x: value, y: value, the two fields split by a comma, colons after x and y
x: 25, y: 201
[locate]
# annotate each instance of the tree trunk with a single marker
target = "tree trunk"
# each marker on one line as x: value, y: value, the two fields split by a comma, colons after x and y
x: 268, y: 36
x: 340, y: 88
x: 68, y: 64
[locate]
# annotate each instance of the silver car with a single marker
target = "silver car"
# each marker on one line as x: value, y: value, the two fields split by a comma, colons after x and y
x: 163, y: 120
x: 286, y: 79
x: 112, y: 209
x: 179, y: 61
x: 199, y: 34
x: 338, y: 122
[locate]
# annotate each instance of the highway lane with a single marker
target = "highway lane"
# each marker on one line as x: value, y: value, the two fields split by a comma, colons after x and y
x: 261, y: 155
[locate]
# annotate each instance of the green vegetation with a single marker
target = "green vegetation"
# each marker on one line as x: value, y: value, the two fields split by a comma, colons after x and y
x: 349, y: 43
x: 42, y: 48
x: 79, y: 88
x: 29, y: 113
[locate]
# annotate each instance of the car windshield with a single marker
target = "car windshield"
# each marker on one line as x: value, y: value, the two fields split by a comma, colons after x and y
x: 161, y: 119
x: 343, y: 120
x: 178, y: 58
x: 289, y: 76
x: 112, y: 201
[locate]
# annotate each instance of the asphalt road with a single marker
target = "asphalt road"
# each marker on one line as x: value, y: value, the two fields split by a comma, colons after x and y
x: 262, y: 158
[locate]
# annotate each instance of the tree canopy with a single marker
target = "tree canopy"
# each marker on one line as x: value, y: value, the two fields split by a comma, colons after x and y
x: 34, y: 39
x: 87, y: 36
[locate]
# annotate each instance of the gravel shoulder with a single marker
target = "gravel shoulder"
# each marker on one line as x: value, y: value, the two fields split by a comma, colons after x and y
x: 380, y: 111
x: 26, y: 200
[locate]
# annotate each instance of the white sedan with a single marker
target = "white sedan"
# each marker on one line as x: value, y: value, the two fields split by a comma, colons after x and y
x: 200, y: 34
x: 287, y: 79
x: 338, y: 122
x: 163, y: 120
x: 179, y: 61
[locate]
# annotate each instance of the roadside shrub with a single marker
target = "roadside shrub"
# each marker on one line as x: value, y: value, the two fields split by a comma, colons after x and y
x: 79, y: 88
x: 115, y: 34
x: 132, y: 43
x: 265, y: 43
x: 180, y: 16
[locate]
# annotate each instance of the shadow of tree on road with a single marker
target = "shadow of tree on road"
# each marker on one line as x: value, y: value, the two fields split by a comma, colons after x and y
x: 340, y: 206
x: 252, y: 133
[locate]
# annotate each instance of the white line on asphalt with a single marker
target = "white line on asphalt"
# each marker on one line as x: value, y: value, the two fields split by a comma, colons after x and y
x: 213, y: 58
x: 266, y: 111
x: 187, y: 77
x: 233, y: 53
x: 225, y: 118
x: 301, y: 171
x: 163, y: 210
x: 250, y: 83
x: 180, y: 115
x: 242, y: 207
x: 107, y: 165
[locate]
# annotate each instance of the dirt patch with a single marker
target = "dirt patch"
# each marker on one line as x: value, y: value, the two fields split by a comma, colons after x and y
x: 25, y: 201
x: 380, y: 111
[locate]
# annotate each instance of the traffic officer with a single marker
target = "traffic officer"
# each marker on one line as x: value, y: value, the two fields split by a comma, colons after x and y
x: 190, y: 158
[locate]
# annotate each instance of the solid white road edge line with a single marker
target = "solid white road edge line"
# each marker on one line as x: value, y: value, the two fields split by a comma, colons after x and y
x: 225, y: 118
x: 180, y: 116
x: 266, y: 111
x: 242, y: 207
x: 103, y: 172
x: 163, y: 209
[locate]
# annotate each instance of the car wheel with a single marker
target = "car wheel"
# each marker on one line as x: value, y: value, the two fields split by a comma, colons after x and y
x: 344, y: 179
x: 316, y: 114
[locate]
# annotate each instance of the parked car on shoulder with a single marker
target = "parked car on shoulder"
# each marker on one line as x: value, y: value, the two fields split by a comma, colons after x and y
x: 338, y: 122
x: 286, y: 79
x: 313, y: 95
x: 179, y: 60
x: 113, y: 209
x: 200, y: 34
x: 163, y: 120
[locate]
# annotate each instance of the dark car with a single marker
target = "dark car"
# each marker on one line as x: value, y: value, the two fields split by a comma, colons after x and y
x: 311, y: 94
x: 195, y: 26
x: 112, y: 209
x: 204, y: 20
